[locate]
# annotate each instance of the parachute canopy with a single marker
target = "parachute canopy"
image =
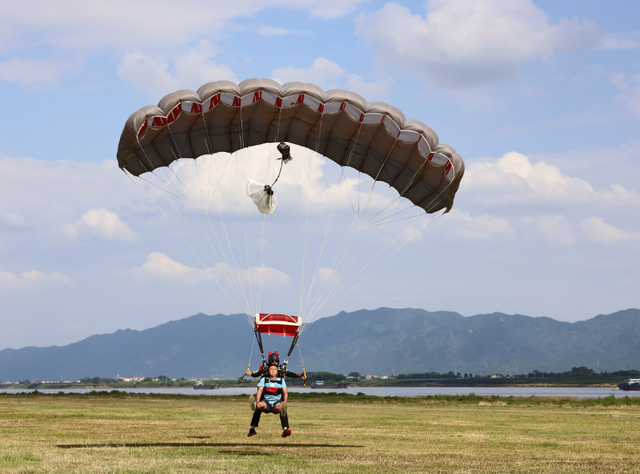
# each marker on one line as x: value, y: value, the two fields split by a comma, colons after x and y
x: 373, y: 138
x: 277, y: 324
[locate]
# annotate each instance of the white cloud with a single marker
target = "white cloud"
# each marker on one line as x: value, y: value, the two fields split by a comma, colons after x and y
x: 273, y: 31
x: 160, y: 266
x: 91, y: 202
x: 30, y: 182
x: 193, y: 68
x: 268, y: 30
x: 600, y: 164
x: 92, y: 26
x: 619, y: 41
x: 371, y: 91
x: 463, y: 225
x: 10, y: 281
x: 53, y: 204
x: 460, y: 43
x: 327, y: 276
x: 13, y: 220
x: 329, y: 8
x: 329, y: 75
x: 95, y: 26
x: 309, y: 177
x: 35, y: 73
x: 617, y: 194
x: 554, y: 229
x: 628, y: 92
x: 323, y: 72
x: 538, y: 201
x: 86, y: 29
x: 513, y: 179
x: 100, y: 223
x: 596, y: 229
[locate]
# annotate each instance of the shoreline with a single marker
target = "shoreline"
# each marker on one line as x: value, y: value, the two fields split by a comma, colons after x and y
x: 59, y: 386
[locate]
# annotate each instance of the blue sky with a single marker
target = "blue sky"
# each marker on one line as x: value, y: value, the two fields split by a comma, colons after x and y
x: 540, y: 98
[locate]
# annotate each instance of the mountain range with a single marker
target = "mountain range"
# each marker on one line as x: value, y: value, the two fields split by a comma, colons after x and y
x: 384, y: 341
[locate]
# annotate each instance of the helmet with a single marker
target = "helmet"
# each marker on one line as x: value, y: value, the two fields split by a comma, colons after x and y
x: 274, y: 358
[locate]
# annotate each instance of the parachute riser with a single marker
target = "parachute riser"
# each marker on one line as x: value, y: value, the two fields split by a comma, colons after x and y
x: 279, y: 173
x: 285, y: 151
x: 293, y: 345
x: 259, y: 339
x: 269, y: 188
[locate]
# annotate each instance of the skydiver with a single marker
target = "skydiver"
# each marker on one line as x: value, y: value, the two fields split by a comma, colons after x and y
x: 274, y: 360
x: 272, y: 398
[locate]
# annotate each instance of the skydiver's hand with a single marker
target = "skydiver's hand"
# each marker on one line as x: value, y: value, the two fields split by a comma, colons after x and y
x: 248, y: 373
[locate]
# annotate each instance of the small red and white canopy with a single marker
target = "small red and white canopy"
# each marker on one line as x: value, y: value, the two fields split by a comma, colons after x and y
x: 277, y: 324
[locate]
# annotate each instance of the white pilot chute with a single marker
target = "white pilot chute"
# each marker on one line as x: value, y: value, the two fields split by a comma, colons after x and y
x: 262, y: 195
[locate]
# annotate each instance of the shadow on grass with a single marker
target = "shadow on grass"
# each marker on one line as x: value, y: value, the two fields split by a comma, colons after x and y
x: 207, y: 445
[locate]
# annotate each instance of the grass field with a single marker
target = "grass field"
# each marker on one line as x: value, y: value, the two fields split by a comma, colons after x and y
x: 352, y: 434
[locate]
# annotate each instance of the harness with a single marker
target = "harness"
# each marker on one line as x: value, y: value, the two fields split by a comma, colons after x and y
x: 273, y: 390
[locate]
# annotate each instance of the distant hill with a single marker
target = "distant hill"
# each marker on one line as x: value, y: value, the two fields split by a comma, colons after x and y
x: 382, y: 341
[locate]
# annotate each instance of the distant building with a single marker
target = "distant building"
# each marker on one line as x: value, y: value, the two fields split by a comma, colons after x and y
x: 130, y: 379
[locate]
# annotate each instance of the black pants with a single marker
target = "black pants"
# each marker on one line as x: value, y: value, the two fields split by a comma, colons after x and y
x: 255, y: 420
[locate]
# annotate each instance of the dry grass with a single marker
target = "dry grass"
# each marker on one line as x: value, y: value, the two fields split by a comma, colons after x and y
x: 196, y: 434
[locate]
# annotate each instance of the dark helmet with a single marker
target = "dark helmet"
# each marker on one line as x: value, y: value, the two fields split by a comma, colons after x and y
x: 274, y: 358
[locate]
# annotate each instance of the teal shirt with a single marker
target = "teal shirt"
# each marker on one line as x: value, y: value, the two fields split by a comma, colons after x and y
x: 271, y: 388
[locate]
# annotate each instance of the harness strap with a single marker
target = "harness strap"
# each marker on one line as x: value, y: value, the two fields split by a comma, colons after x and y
x: 293, y: 344
x: 273, y: 390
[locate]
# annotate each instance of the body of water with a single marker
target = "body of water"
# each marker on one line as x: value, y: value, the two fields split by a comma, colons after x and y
x: 576, y: 392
